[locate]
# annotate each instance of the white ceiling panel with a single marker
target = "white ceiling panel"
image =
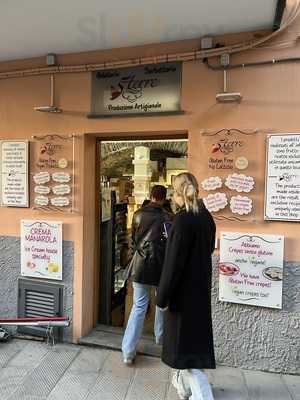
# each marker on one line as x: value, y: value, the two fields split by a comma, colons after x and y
x: 31, y: 28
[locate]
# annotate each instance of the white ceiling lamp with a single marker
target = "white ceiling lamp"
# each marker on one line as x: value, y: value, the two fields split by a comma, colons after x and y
x: 51, y: 108
x: 225, y: 96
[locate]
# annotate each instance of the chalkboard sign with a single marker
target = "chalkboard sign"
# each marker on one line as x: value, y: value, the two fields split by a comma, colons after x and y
x: 282, y: 193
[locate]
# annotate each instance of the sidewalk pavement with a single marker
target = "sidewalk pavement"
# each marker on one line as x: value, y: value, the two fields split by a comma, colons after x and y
x: 36, y: 371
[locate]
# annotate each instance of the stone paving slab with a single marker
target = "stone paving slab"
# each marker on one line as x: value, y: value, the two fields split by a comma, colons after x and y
x: 293, y: 385
x: 263, y: 386
x: 10, y: 379
x: 147, y: 390
x: 8, y: 351
x: 228, y: 383
x: 43, y: 378
x: 110, y: 387
x: 35, y: 371
x: 29, y: 356
x: 74, y: 386
x: 81, y: 375
x: 112, y: 339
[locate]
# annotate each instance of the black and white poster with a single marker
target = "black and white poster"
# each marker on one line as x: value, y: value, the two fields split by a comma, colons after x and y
x: 14, y: 173
x: 282, y: 193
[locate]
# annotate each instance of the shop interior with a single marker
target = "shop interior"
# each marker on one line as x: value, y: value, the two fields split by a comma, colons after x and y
x: 128, y: 170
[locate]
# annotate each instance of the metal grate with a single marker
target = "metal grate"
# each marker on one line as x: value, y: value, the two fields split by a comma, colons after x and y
x: 39, y: 304
x: 39, y: 299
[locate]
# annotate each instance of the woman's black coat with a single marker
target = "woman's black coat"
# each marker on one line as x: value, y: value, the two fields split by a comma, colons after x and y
x: 185, y: 287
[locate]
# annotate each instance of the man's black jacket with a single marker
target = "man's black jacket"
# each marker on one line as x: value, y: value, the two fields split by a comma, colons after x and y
x: 149, y: 243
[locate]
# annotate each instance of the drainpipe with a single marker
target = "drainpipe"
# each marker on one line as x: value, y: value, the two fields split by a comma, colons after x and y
x: 252, y: 64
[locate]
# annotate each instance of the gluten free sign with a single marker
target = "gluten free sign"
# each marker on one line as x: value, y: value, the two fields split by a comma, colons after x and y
x: 251, y: 269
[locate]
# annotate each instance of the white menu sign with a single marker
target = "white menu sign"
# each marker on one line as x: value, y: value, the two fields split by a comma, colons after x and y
x: 14, y: 173
x: 282, y: 194
x: 251, y: 269
x: 41, y: 249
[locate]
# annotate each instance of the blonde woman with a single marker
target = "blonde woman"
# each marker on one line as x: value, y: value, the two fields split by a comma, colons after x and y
x: 185, y: 292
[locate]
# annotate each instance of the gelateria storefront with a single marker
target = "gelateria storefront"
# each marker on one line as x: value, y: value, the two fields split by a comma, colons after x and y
x: 254, y: 287
x: 69, y: 189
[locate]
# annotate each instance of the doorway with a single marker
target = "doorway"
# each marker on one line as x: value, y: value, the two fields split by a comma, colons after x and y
x: 128, y: 170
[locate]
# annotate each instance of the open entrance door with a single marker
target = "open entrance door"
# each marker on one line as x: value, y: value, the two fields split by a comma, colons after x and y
x: 128, y: 170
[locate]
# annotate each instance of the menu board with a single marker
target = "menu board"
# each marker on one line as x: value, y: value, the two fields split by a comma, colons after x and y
x: 228, y: 174
x: 251, y: 269
x: 41, y: 249
x: 282, y: 192
x: 14, y: 173
x: 52, y: 176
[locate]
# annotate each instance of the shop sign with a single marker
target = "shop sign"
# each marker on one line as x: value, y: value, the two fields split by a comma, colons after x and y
x: 251, y: 269
x: 47, y: 155
x: 14, y: 173
x: 41, y: 249
x: 222, y: 153
x: 138, y: 90
x: 282, y: 195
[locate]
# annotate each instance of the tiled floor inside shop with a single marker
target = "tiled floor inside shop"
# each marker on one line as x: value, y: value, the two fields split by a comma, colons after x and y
x: 35, y: 371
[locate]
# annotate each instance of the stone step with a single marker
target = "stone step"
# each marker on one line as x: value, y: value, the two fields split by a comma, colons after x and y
x: 108, y: 337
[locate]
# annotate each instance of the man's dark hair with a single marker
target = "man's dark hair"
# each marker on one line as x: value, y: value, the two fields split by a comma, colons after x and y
x: 146, y: 202
x: 158, y: 192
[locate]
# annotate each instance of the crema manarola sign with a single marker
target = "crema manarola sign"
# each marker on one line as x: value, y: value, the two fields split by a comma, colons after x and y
x: 139, y: 90
x: 41, y: 249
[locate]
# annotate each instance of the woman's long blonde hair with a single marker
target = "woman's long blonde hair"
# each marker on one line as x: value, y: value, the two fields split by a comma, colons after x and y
x: 186, y: 186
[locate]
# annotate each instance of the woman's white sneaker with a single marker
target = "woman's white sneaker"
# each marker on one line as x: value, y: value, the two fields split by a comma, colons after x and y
x: 183, y: 390
x: 128, y: 360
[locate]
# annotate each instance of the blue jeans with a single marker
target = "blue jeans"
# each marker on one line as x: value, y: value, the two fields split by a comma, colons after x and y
x: 135, y: 324
x: 195, y: 382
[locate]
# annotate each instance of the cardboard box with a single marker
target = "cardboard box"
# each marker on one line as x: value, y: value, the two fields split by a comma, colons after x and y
x: 131, y: 200
x: 142, y: 153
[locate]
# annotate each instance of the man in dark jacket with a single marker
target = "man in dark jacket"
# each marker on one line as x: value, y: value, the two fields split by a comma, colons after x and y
x: 149, y: 231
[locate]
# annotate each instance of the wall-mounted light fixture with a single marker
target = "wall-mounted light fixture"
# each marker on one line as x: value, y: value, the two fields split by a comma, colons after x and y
x: 227, y: 97
x: 51, y: 108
